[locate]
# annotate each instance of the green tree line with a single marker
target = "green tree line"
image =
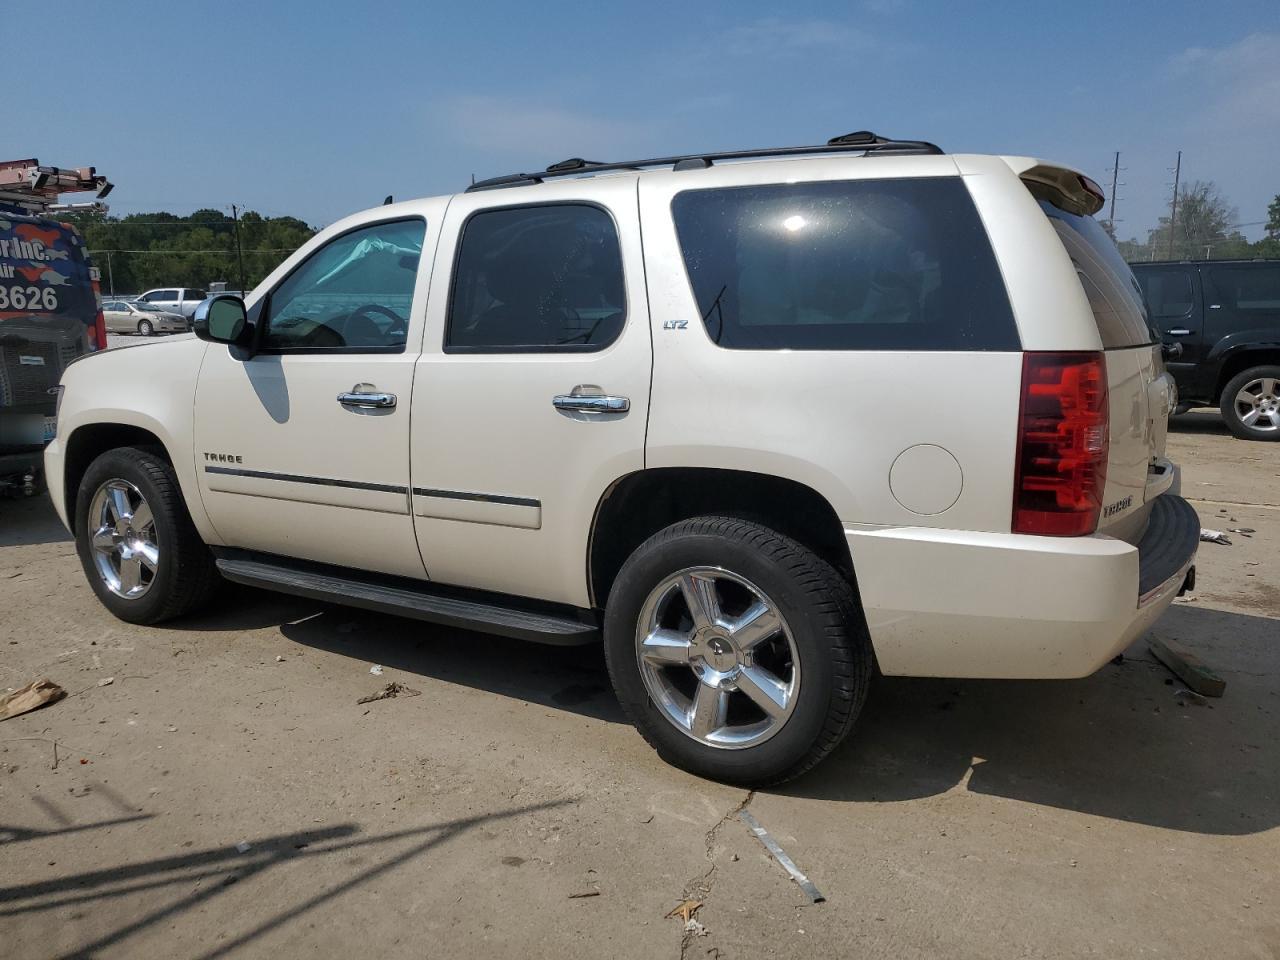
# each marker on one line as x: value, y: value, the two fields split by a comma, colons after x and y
x: 1207, y: 227
x: 146, y: 250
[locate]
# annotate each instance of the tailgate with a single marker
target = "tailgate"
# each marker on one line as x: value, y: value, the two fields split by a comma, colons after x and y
x: 1138, y: 387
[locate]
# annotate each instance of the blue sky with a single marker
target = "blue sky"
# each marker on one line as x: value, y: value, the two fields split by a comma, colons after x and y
x: 322, y: 108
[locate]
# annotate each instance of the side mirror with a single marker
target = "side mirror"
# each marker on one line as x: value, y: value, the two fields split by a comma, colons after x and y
x: 221, y: 319
x: 1171, y: 351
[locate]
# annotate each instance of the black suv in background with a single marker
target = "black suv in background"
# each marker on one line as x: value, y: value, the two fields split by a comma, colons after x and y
x: 1226, y: 316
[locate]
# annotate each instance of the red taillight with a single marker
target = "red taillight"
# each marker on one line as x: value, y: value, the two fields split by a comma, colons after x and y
x: 1063, y: 441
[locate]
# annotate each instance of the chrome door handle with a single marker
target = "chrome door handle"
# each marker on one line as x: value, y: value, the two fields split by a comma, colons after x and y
x: 589, y: 404
x: 366, y: 395
x: 1179, y: 332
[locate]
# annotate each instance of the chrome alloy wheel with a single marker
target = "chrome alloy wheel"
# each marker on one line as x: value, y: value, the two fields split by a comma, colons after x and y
x: 122, y: 535
x: 717, y: 658
x: 1257, y: 404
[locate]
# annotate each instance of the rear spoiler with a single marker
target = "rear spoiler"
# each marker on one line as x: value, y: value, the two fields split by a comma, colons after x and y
x: 1063, y: 187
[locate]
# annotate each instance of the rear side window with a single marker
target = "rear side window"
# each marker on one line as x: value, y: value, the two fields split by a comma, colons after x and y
x: 537, y: 279
x: 1113, y: 291
x: 196, y: 295
x: 1168, y: 292
x: 1246, y: 287
x: 846, y: 265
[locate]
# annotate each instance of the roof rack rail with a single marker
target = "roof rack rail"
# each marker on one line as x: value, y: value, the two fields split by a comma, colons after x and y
x: 861, y: 141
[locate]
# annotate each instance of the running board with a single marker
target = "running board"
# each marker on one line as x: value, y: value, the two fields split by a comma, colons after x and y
x: 468, y: 610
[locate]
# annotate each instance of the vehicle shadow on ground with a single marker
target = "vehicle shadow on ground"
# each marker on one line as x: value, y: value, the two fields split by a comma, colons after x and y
x: 1199, y: 421
x: 567, y: 678
x: 30, y: 520
x: 158, y: 887
x: 1120, y: 744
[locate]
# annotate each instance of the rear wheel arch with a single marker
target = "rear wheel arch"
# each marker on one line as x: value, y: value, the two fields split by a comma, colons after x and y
x: 640, y: 504
x: 1236, y: 363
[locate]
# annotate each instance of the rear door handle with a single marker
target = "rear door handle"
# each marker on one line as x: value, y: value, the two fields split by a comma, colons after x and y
x: 367, y: 395
x: 1180, y: 332
x: 590, y: 404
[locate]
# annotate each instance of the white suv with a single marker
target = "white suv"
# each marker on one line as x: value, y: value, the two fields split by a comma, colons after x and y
x: 765, y: 422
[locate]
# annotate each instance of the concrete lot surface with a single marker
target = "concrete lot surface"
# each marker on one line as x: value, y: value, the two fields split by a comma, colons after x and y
x: 1106, y: 817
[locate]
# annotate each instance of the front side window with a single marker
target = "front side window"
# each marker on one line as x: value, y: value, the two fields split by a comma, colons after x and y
x: 156, y: 296
x: 1247, y: 287
x: 844, y: 265
x: 540, y: 278
x: 1168, y: 292
x: 354, y: 293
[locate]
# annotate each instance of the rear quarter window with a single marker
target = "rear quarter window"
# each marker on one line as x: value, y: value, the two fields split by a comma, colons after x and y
x: 1114, y: 295
x: 1247, y: 287
x: 844, y: 265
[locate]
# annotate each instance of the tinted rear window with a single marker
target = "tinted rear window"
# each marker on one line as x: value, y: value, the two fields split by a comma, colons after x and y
x: 846, y: 265
x: 1114, y: 294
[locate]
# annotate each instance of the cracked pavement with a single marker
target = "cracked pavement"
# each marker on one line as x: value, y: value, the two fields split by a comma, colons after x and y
x: 510, y: 812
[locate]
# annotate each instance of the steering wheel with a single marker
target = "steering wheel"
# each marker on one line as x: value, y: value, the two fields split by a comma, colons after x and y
x: 397, y: 322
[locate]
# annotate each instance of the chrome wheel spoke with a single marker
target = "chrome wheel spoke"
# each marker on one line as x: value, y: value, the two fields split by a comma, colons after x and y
x: 1250, y: 418
x: 1273, y: 417
x: 130, y: 574
x: 1245, y: 398
x: 149, y: 556
x: 766, y: 691
x: 758, y: 624
x: 118, y: 497
x: 1268, y: 387
x: 104, y: 539
x: 700, y: 596
x: 142, y: 518
x: 666, y: 648
x: 709, y: 710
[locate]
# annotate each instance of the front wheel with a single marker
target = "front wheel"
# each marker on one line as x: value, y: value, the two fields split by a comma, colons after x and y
x: 145, y: 329
x: 738, y: 653
x: 139, y: 549
x: 1250, y: 404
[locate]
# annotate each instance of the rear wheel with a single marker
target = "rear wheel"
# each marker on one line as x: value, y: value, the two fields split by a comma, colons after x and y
x: 139, y: 549
x: 1251, y: 404
x: 738, y: 653
x: 145, y: 328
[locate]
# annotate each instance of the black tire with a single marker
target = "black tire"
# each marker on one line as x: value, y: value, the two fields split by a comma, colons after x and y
x: 818, y: 606
x: 185, y: 576
x: 145, y: 329
x: 1231, y: 413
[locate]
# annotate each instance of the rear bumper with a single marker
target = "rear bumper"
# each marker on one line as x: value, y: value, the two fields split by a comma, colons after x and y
x: 949, y: 603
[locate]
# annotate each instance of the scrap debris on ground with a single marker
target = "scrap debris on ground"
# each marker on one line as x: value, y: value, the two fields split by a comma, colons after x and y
x: 1188, y: 668
x: 390, y: 692
x: 33, y: 696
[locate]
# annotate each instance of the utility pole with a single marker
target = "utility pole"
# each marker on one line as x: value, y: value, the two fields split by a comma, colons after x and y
x: 235, y: 216
x: 111, y: 277
x: 1115, y: 179
x: 1173, y: 207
